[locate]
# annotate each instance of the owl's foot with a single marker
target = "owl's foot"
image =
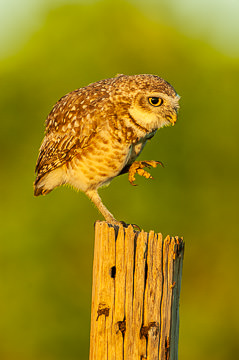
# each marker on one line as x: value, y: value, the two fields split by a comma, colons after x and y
x: 135, y: 227
x: 138, y: 168
x: 125, y: 225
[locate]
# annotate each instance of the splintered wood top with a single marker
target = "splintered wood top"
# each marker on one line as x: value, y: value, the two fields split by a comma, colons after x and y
x: 135, y: 294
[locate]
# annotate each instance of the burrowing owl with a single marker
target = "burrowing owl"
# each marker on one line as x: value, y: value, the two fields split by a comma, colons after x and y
x: 95, y: 133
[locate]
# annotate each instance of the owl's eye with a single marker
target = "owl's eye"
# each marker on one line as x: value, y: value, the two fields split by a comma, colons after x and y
x: 155, y: 101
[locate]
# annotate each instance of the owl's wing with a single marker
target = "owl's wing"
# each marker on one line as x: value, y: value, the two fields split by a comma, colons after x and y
x: 68, y: 130
x: 56, y: 150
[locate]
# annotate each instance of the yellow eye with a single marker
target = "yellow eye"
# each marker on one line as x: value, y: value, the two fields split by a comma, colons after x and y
x: 155, y: 101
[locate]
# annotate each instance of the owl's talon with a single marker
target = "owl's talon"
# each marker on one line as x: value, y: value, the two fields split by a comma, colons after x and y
x: 136, y: 227
x: 125, y: 225
x: 137, y: 168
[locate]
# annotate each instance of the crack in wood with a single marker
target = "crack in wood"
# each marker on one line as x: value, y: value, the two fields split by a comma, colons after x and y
x: 173, y: 284
x: 167, y: 348
x: 178, y: 248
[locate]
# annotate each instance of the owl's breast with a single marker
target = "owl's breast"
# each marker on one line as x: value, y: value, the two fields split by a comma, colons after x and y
x: 98, y: 163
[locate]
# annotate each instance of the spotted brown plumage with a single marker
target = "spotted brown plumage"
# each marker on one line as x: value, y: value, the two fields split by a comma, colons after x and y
x: 96, y: 133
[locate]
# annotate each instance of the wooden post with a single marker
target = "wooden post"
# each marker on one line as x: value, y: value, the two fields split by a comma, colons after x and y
x: 135, y: 294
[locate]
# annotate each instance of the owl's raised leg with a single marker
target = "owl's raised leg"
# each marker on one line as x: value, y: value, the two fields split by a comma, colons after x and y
x: 95, y: 198
x: 138, y: 168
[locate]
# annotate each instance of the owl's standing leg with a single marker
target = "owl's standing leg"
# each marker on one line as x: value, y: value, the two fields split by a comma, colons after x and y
x: 95, y: 198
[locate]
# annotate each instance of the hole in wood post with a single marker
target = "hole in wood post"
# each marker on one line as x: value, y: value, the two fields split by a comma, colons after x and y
x: 103, y: 309
x: 113, y: 272
x: 144, y: 332
x: 121, y: 326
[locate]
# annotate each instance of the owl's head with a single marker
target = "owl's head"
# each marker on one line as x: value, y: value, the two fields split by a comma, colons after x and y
x: 152, y: 101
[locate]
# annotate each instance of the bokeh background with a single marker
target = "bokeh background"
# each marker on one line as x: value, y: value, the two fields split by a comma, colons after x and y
x: 49, y: 48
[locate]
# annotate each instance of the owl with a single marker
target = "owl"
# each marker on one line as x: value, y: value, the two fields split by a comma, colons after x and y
x: 95, y: 133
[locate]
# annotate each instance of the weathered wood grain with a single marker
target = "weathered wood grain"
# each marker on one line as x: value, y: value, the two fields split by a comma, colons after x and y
x: 135, y: 294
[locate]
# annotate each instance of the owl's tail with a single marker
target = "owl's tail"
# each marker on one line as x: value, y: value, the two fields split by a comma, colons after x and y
x: 40, y: 190
x: 40, y: 187
x: 45, y: 183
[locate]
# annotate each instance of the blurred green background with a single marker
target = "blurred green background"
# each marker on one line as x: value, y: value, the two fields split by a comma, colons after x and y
x: 49, y: 48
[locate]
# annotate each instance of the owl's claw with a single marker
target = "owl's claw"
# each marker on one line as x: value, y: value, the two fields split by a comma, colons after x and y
x: 137, y: 167
x: 135, y: 227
